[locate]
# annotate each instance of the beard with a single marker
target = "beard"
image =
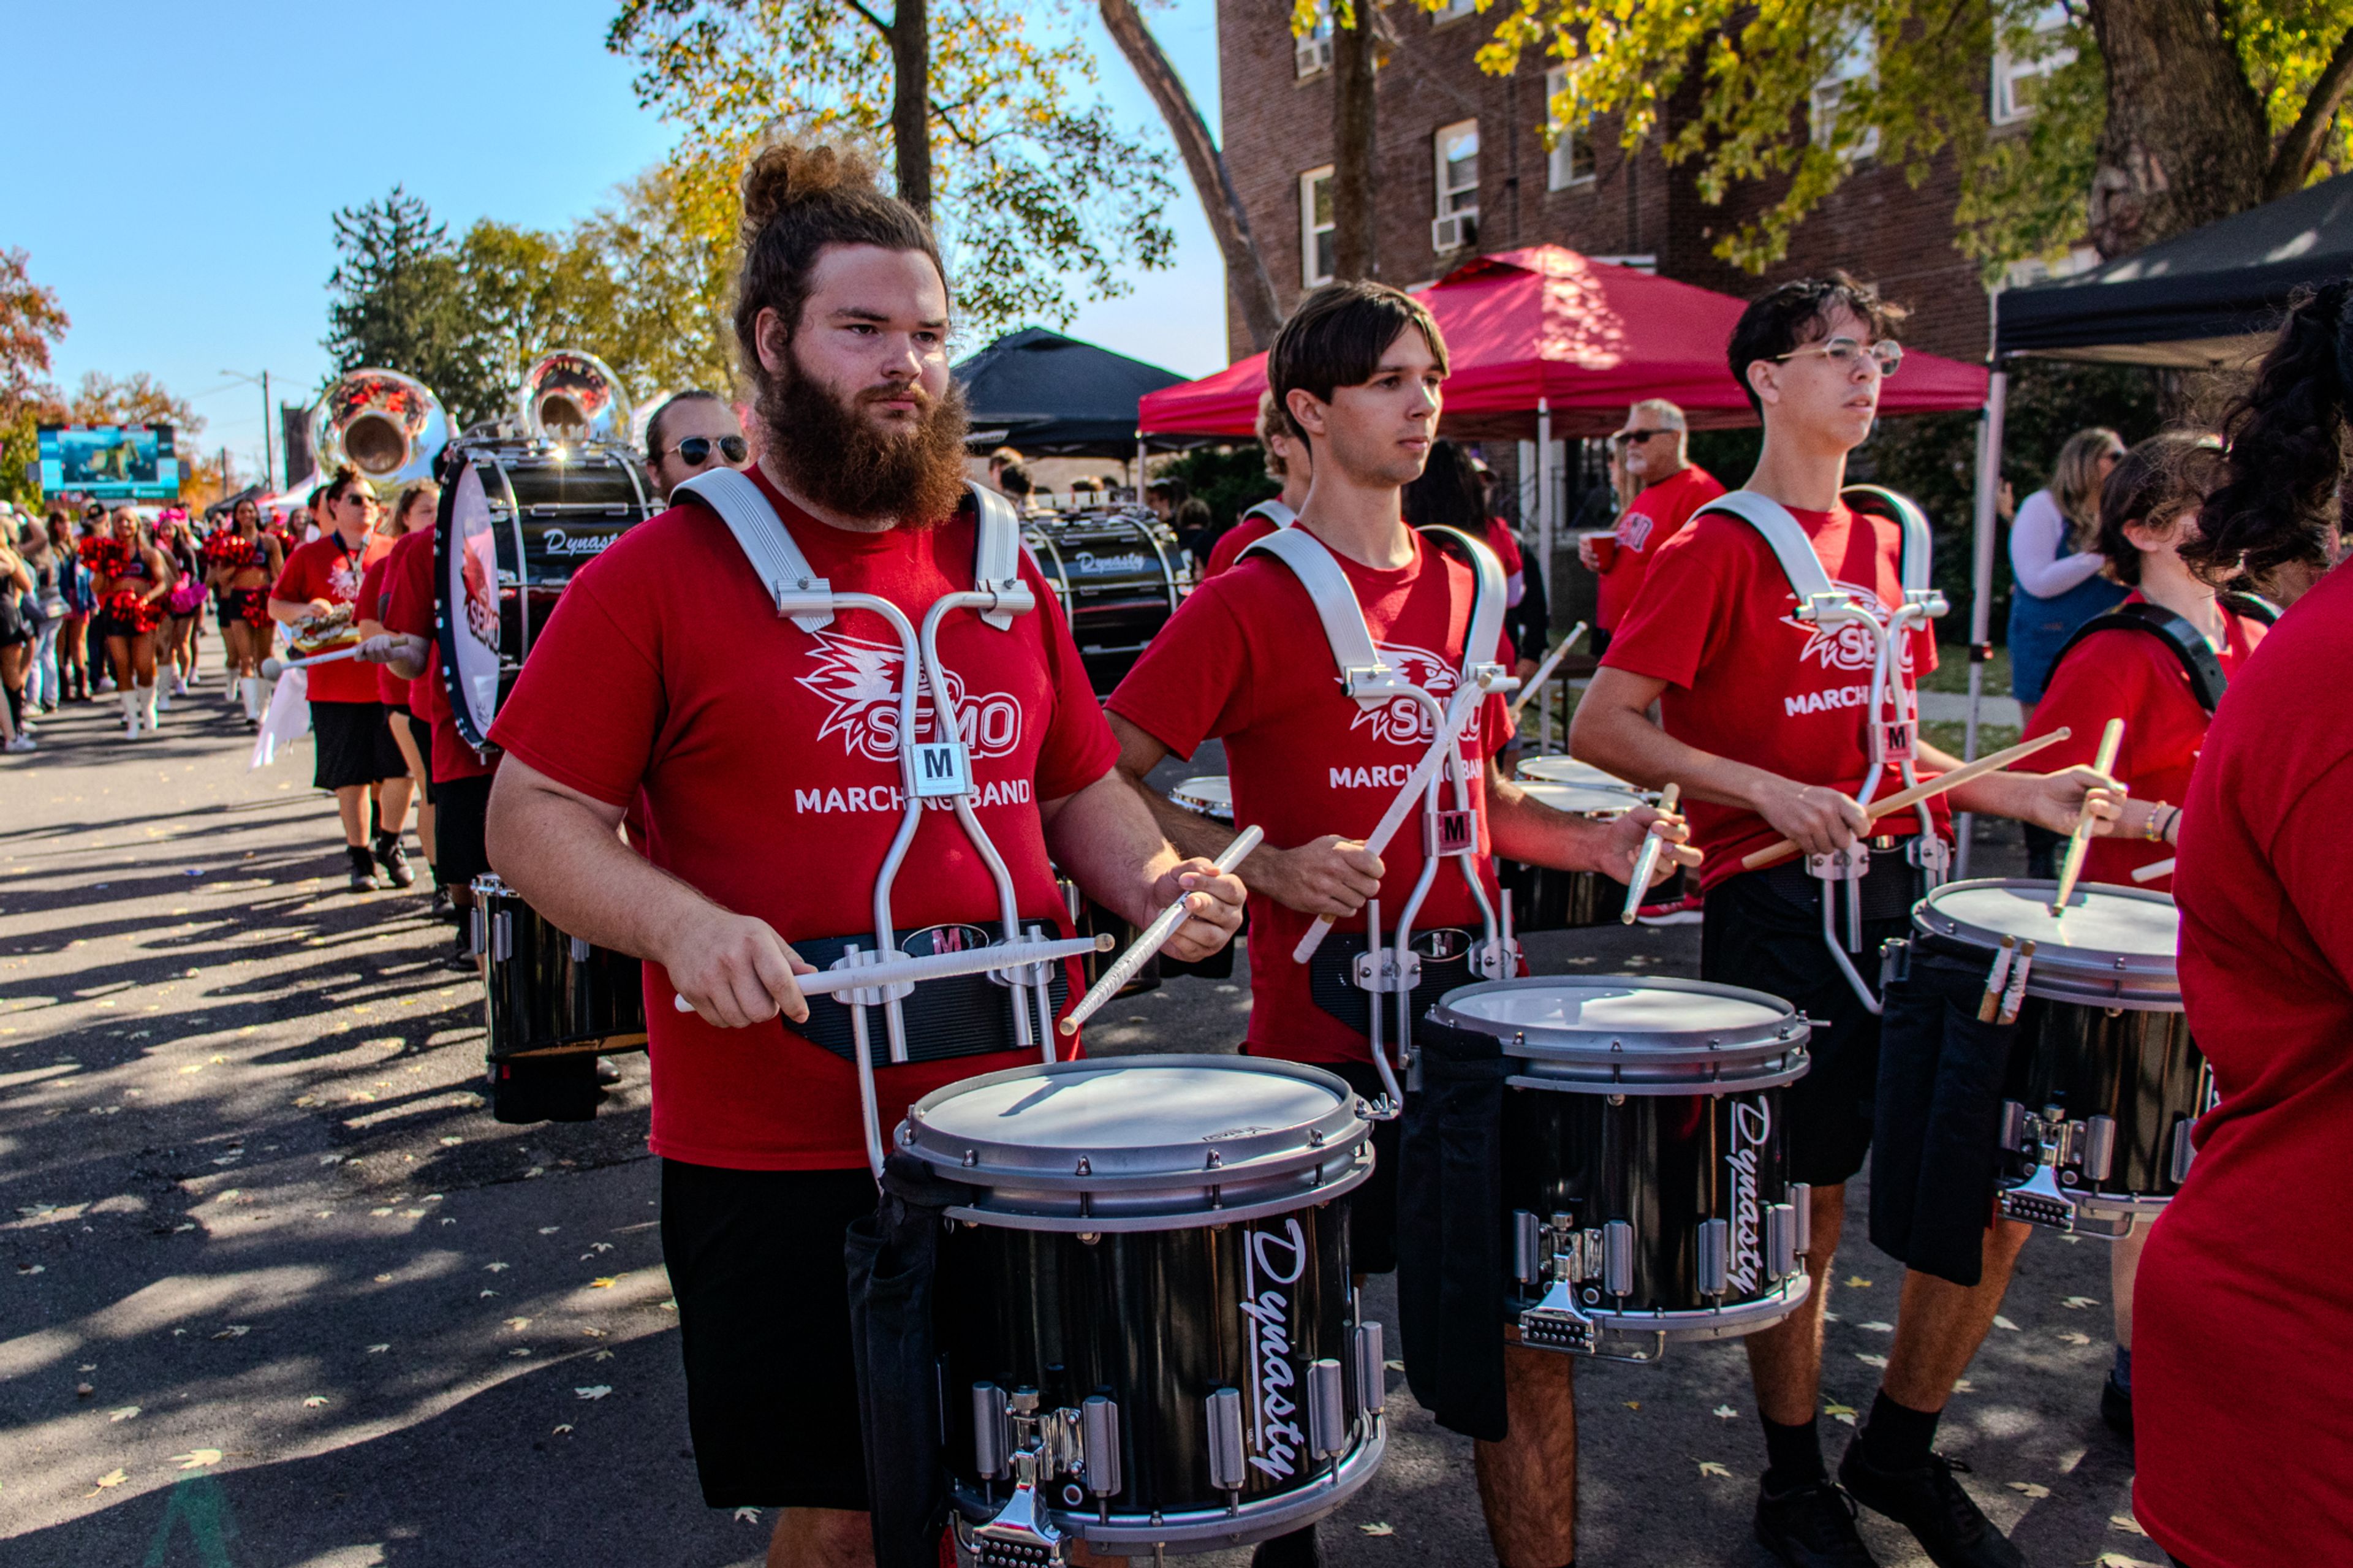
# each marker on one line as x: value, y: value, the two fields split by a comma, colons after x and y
x: 835, y: 455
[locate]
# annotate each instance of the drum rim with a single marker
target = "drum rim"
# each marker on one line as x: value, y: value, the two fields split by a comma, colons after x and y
x: 1519, y: 771
x: 2147, y: 982
x: 1629, y: 799
x: 1177, y: 789
x: 1560, y: 1048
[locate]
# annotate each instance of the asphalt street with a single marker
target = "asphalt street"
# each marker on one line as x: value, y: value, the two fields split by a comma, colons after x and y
x: 276, y: 1292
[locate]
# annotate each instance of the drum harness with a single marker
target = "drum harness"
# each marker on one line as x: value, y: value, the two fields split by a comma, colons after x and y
x: 1892, y: 719
x: 1448, y: 832
x: 939, y: 769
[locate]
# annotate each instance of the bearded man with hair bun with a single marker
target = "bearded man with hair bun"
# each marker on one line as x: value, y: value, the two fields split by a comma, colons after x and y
x: 760, y: 755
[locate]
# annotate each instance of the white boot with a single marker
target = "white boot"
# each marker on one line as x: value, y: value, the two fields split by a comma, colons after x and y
x: 249, y: 691
x: 148, y: 700
x: 158, y: 696
x: 130, y: 713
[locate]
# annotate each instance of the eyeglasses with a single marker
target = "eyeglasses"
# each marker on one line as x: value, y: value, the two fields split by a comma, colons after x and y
x: 696, y: 449
x: 357, y: 498
x: 1843, y: 353
x: 1627, y: 438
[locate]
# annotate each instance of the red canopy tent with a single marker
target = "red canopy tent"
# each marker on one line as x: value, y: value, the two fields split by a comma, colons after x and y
x: 1587, y: 338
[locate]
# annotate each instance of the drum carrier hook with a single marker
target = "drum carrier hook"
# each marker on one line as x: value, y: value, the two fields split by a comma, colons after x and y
x: 939, y: 769
x: 1892, y: 714
x: 1447, y: 832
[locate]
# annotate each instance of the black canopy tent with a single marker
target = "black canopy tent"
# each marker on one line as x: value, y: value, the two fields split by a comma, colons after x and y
x: 1053, y: 396
x: 2207, y: 298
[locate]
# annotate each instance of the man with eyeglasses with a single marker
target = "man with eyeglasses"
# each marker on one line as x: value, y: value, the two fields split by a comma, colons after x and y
x: 1652, y: 446
x: 693, y: 432
x: 1763, y: 721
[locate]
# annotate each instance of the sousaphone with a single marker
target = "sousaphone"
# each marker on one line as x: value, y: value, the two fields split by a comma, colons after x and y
x: 385, y: 423
x: 572, y: 396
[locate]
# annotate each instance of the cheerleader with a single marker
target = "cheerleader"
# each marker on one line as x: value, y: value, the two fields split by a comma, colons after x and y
x: 177, y: 637
x: 131, y: 577
x: 240, y: 563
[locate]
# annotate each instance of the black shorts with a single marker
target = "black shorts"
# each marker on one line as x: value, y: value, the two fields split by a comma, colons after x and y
x: 1752, y: 933
x: 354, y: 745
x: 420, y: 730
x: 1373, y: 1205
x: 461, y: 807
x: 755, y: 1260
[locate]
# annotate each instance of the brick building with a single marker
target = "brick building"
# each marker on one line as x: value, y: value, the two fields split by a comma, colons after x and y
x: 1462, y: 168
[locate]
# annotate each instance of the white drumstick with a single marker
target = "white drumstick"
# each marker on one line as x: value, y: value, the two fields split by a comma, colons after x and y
x: 1647, y: 862
x: 1154, y: 937
x: 1458, y: 714
x: 271, y: 669
x: 1543, y: 670
x: 940, y: 966
x: 2154, y: 869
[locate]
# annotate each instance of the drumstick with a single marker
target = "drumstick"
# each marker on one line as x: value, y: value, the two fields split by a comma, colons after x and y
x: 939, y: 965
x: 2154, y: 869
x: 1647, y: 862
x: 1773, y: 854
x: 271, y: 669
x: 1465, y: 703
x: 1551, y: 663
x: 1153, y: 937
x: 2080, y: 840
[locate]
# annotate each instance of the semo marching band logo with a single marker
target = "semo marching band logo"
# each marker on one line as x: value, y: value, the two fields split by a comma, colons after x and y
x: 860, y: 681
x: 1272, y: 1263
x: 1845, y: 646
x: 1403, y: 720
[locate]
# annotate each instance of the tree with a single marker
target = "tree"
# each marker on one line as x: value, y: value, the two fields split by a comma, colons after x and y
x: 397, y: 301
x: 32, y: 322
x: 2148, y: 117
x: 1355, y: 247
x: 136, y: 399
x: 985, y: 120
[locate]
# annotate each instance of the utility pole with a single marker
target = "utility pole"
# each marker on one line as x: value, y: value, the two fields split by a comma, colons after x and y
x: 268, y: 440
x: 224, y: 473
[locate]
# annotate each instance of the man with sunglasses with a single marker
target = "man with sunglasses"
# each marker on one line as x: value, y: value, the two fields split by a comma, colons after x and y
x: 691, y: 433
x: 1764, y: 723
x: 1652, y: 446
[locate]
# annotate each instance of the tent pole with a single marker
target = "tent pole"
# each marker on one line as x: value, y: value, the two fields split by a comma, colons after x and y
x: 1545, y: 486
x: 1981, y: 580
x: 1139, y: 467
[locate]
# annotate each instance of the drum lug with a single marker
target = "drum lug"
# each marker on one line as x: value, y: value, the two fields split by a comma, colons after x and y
x: 1801, y: 1208
x: 1225, y: 1430
x: 1527, y: 1240
x: 2099, y: 1147
x: 1099, y: 1436
x: 580, y: 950
x: 1715, y: 1257
x: 478, y: 930
x: 2184, y: 1149
x: 1894, y: 962
x: 1372, y: 1381
x: 2013, y: 1127
x: 501, y: 936
x: 1617, y: 1257
x: 1780, y: 1240
x: 991, y: 1432
x: 1327, y: 1410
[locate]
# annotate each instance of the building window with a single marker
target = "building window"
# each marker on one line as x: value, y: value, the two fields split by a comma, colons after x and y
x: 1311, y: 52
x: 1571, y: 161
x: 2017, y: 78
x: 1858, y: 63
x: 1315, y: 241
x: 1456, y: 148
x: 1453, y: 11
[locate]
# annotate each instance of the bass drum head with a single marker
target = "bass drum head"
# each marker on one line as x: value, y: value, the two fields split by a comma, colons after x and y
x: 1212, y: 796
x: 470, y: 585
x: 1570, y: 771
x: 2112, y: 945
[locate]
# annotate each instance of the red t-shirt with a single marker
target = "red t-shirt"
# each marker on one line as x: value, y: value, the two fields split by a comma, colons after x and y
x: 1658, y: 514
x: 324, y: 569
x: 390, y: 687
x: 1244, y: 660
x: 2243, y: 1331
x: 764, y: 757
x: 1231, y: 544
x: 2132, y: 676
x: 1746, y: 679
x: 408, y: 603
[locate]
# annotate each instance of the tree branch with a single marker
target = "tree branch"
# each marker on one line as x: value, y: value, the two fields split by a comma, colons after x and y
x: 2300, y: 148
x: 873, y: 21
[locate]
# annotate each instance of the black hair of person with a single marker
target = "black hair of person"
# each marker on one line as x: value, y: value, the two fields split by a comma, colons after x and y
x: 334, y: 490
x: 654, y: 442
x: 1448, y: 494
x: 1337, y: 336
x: 1175, y: 492
x: 2277, y: 504
x: 1013, y: 478
x: 1783, y: 320
x: 2153, y: 484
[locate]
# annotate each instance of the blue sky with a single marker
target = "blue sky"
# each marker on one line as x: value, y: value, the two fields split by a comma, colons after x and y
x: 173, y: 180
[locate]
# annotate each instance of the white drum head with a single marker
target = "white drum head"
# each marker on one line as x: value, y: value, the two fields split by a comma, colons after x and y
x: 470, y: 600
x: 1211, y: 796
x: 2113, y: 946
x: 1580, y: 800
x: 1569, y: 771
x: 1135, y: 1105
x: 1633, y: 1035
x: 1616, y: 1009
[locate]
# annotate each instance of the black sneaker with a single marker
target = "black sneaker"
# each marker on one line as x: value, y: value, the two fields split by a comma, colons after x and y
x: 362, y: 867
x: 394, y: 859
x: 441, y: 905
x: 2116, y: 1407
x: 1300, y: 1549
x: 1812, y: 1526
x: 1927, y: 1501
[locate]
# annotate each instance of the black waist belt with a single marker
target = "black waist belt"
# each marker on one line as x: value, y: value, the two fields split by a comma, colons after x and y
x: 962, y: 1015
x: 1332, y: 975
x: 1889, y: 888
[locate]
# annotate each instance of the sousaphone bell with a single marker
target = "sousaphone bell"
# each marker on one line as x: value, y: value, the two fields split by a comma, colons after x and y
x: 385, y: 423
x: 572, y: 396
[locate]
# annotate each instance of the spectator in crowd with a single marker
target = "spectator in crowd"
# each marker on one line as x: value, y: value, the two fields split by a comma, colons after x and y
x: 1288, y: 465
x: 691, y: 432
x: 73, y: 631
x: 1448, y: 495
x: 2055, y: 557
x: 15, y: 635
x: 1528, y: 622
x: 48, y: 565
x: 1001, y: 459
x: 1653, y: 448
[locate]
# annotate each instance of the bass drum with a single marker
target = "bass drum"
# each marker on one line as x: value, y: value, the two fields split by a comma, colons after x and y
x: 517, y: 519
x: 1119, y: 578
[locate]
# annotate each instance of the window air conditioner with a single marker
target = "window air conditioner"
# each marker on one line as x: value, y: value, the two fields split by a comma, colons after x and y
x: 1455, y: 230
x: 1310, y: 55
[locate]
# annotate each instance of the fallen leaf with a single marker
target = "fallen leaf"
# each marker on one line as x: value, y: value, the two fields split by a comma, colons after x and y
x: 1385, y: 1366
x: 1709, y: 1468
x: 747, y: 1516
x: 112, y: 1479
x: 234, y: 1332
x: 1857, y: 1282
x: 197, y: 1459
x: 593, y: 1333
x: 1633, y: 1405
x: 1724, y: 1413
x: 2073, y: 1338
x: 549, y: 1229
x: 1377, y: 1528
x: 495, y: 1267
x: 84, y: 1390
x: 2034, y: 1490
x: 378, y: 1350
x: 518, y: 1324
x: 451, y: 1143
x: 600, y: 1247
x: 605, y: 1284
x: 2079, y: 1302
x: 599, y: 1391
x: 2127, y: 1524
x: 602, y: 1355
x: 1877, y: 1328
x: 125, y: 1414
x: 525, y: 1351
x: 383, y: 1279
x: 2002, y: 1323
x: 2115, y: 1558
x: 1877, y: 1361
x: 312, y: 1402
x: 563, y: 1429
x: 1963, y: 1386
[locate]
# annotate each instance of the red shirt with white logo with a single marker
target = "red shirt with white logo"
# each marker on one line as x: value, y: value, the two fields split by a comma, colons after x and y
x: 325, y: 569
x: 2132, y: 676
x: 1658, y: 514
x: 390, y: 687
x: 1746, y: 680
x: 1244, y: 660
x: 766, y: 759
x: 408, y: 607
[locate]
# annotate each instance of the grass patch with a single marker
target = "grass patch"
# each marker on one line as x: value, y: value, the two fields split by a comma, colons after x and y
x: 1952, y: 671
x: 1946, y: 736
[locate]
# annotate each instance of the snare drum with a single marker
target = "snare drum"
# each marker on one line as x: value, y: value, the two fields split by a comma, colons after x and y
x: 2107, y: 1082
x: 1570, y: 771
x: 1212, y: 796
x: 1646, y: 1194
x: 551, y: 994
x: 1546, y: 900
x: 1147, y: 1328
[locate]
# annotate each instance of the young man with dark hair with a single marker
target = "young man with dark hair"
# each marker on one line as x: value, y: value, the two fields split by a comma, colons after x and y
x: 1288, y: 465
x: 691, y: 433
x: 1245, y: 659
x: 1764, y: 724
x: 761, y: 752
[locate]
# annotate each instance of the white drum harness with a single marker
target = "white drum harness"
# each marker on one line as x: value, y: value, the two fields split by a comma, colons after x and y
x: 1890, y: 717
x: 1450, y: 833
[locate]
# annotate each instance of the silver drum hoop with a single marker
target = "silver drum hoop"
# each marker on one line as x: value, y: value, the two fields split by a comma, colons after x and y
x: 1979, y: 913
x: 1212, y: 795
x: 1634, y: 1047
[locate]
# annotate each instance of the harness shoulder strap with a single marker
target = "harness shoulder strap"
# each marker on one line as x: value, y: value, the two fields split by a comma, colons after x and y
x: 1363, y: 675
x: 766, y: 542
x: 1487, y: 602
x: 1274, y: 512
x: 996, y: 549
x: 1919, y: 541
x: 1783, y: 533
x: 2254, y: 606
x: 2190, y: 649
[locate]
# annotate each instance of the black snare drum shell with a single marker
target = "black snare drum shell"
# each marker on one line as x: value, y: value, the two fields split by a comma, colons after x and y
x: 2138, y: 1068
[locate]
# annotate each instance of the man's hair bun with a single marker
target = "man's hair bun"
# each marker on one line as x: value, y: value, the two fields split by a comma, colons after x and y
x: 786, y: 175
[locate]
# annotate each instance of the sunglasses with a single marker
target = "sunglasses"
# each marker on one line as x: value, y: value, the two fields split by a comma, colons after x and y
x: 1844, y: 352
x: 696, y: 449
x: 1627, y: 438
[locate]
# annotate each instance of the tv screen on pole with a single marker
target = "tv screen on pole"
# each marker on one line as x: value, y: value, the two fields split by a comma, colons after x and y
x: 110, y: 462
